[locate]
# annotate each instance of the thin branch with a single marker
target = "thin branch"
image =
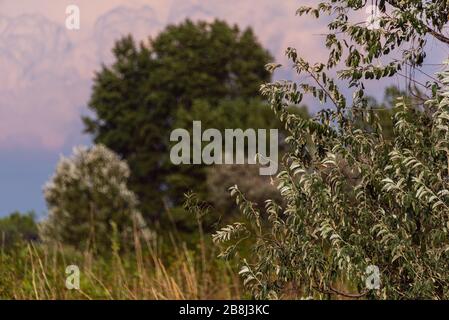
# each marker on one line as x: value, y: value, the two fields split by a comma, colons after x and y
x: 322, y: 87
x: 434, y: 33
x: 412, y: 80
x: 437, y: 35
x: 342, y: 293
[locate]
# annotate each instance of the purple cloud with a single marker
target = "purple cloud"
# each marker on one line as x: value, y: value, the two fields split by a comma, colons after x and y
x: 47, y: 69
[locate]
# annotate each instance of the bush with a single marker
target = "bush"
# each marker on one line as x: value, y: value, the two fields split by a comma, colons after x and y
x: 354, y: 198
x: 88, y: 200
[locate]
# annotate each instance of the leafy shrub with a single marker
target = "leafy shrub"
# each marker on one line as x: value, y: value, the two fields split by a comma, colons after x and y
x: 354, y: 198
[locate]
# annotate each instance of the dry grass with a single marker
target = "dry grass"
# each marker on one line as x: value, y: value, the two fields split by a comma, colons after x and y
x: 38, y: 272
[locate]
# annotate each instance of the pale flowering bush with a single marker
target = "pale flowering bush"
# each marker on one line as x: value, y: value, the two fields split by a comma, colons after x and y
x: 89, y: 202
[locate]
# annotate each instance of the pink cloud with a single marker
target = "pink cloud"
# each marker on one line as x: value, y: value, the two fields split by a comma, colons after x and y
x: 47, y: 70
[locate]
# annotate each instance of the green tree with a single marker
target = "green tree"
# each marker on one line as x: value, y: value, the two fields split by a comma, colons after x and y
x: 136, y: 99
x: 353, y: 198
x: 18, y: 227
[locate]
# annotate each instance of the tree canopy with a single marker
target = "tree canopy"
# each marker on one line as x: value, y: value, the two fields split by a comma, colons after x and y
x: 136, y: 100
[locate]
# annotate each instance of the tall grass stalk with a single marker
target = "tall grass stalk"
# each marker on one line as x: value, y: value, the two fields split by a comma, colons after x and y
x: 152, y: 270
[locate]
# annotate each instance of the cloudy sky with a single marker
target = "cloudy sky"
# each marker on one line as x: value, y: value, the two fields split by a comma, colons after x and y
x: 46, y: 70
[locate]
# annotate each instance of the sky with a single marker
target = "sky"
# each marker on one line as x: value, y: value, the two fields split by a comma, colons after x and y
x: 46, y: 70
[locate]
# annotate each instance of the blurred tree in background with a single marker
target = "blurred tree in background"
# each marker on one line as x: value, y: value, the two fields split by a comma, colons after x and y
x: 18, y: 227
x: 257, y: 188
x: 137, y: 98
x: 227, y: 114
x: 384, y: 110
x: 89, y: 202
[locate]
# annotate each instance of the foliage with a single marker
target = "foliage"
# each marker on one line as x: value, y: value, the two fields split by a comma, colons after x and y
x: 384, y: 110
x: 229, y: 114
x: 88, y: 200
x: 137, y: 98
x: 393, y: 42
x: 353, y: 197
x: 17, y: 228
x: 236, y: 113
x: 256, y: 187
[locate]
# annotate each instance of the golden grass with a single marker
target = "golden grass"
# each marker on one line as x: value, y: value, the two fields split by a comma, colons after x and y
x: 37, y: 271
